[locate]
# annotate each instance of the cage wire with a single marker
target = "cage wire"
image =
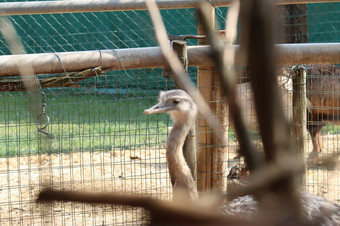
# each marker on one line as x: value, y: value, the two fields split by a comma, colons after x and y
x: 102, y: 141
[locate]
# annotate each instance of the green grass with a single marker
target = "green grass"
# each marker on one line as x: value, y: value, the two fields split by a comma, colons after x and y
x: 330, y: 129
x: 88, y: 122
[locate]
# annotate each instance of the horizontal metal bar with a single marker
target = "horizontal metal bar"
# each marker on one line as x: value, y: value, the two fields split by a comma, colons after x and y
x: 45, y: 7
x: 309, y: 53
x: 151, y: 57
x: 288, y: 54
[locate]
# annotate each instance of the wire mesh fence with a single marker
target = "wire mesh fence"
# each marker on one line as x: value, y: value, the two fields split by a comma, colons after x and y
x: 102, y: 141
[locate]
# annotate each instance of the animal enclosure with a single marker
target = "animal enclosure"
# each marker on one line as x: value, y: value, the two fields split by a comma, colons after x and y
x: 97, y: 137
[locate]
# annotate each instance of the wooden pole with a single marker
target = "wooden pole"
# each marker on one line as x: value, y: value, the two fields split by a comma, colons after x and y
x: 219, y: 150
x: 299, y: 110
x: 204, y: 134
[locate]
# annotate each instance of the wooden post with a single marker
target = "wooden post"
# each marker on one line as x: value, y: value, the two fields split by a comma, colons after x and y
x: 204, y: 133
x: 219, y: 150
x: 180, y: 48
x: 299, y: 110
x: 211, y: 153
x: 204, y: 84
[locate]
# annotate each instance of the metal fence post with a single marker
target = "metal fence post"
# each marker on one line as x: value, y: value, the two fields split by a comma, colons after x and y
x: 299, y: 110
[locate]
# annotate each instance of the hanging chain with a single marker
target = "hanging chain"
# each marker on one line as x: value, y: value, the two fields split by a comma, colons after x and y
x: 43, y: 115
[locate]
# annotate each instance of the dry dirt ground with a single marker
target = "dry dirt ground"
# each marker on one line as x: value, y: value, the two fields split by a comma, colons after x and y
x: 128, y: 171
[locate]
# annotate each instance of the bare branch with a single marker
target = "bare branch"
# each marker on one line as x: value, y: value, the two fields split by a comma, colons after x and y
x: 257, y: 41
x: 162, y: 212
x: 16, y: 47
x: 231, y: 25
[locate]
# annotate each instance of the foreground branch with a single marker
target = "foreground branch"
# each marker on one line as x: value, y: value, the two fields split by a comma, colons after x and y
x: 162, y: 212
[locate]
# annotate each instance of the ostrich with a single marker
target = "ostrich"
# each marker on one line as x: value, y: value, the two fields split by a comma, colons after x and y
x: 183, y: 110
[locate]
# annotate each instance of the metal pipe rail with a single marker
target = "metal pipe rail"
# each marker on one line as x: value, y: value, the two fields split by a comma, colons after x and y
x: 45, y: 7
x: 151, y: 57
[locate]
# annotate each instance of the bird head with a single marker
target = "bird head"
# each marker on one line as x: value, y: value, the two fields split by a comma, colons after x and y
x: 177, y: 103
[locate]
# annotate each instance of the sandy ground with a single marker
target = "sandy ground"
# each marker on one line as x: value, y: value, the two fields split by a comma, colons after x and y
x: 131, y: 172
x: 128, y: 171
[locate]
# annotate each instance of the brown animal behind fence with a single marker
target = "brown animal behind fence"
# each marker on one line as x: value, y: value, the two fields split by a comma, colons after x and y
x: 323, y: 100
x: 323, y: 92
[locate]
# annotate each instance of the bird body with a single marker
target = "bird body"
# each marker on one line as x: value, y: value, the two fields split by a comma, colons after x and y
x: 316, y: 210
x: 183, y: 110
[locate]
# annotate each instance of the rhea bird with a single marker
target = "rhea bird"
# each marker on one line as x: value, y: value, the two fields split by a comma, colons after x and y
x: 183, y: 111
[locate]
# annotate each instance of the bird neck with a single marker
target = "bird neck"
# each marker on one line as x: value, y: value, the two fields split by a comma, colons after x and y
x: 177, y: 138
x: 181, y: 177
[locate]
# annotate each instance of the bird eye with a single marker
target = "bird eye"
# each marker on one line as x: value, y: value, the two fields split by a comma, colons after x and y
x: 176, y: 101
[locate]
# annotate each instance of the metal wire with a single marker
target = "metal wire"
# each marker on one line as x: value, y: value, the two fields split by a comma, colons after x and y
x: 43, y: 120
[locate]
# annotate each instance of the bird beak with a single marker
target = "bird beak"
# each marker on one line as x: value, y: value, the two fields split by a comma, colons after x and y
x: 158, y: 108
